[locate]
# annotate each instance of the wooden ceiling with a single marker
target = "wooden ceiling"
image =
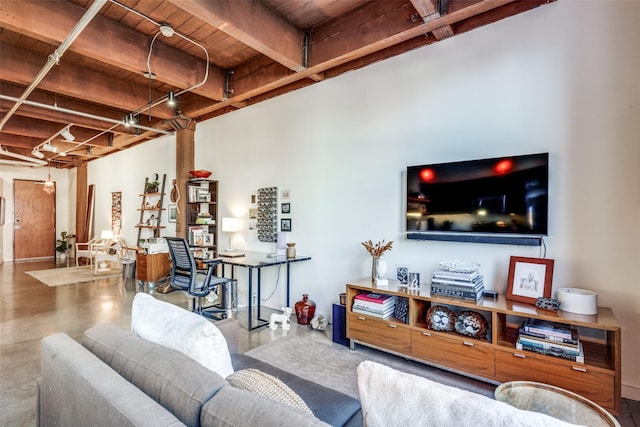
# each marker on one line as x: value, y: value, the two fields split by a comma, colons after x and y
x: 223, y: 55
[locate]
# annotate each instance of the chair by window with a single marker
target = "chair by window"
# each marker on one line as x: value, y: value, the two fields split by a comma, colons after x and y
x: 195, y: 283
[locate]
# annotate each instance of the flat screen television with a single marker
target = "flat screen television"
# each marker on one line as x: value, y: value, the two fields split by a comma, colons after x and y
x: 502, y: 196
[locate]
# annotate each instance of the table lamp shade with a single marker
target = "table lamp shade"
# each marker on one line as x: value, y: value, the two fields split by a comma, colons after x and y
x: 229, y: 225
x: 106, y: 234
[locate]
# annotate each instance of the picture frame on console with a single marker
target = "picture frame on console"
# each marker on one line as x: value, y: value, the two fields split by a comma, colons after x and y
x: 529, y: 279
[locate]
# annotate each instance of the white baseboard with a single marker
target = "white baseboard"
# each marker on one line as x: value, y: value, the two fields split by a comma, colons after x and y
x: 630, y: 392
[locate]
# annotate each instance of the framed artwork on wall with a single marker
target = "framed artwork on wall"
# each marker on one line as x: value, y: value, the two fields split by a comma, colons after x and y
x: 285, y: 224
x: 286, y: 208
x: 529, y: 279
x: 173, y: 213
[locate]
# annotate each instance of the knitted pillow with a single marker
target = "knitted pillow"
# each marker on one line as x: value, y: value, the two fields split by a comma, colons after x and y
x: 269, y: 386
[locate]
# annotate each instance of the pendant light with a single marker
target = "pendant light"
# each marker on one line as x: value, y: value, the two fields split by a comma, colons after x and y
x: 49, y: 188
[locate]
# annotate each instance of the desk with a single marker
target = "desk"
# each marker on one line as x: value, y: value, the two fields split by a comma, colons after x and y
x: 257, y: 261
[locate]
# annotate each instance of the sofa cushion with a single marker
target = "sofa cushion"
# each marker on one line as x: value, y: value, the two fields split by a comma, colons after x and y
x: 267, y: 385
x: 235, y: 407
x: 330, y: 406
x: 172, y: 379
x: 391, y: 397
x: 171, y: 326
x: 77, y: 389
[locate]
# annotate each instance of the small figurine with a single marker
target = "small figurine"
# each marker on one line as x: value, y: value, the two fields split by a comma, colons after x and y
x: 283, y: 318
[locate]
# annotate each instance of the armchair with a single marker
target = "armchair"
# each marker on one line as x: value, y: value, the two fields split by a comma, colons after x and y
x: 195, y: 284
x: 83, y: 250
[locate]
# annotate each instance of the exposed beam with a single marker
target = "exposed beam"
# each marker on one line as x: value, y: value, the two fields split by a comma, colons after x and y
x: 360, y: 33
x: 428, y: 11
x: 73, y: 81
x: 123, y: 47
x: 253, y: 24
x: 43, y: 130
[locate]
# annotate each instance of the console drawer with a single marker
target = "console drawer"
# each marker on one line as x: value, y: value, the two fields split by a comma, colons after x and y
x: 466, y: 355
x: 595, y: 385
x: 378, y: 332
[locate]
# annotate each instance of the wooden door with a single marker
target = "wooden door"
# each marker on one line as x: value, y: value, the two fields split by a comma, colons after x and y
x: 34, y: 233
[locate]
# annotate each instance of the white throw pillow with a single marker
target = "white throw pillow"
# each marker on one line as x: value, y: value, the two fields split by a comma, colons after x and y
x: 171, y: 326
x: 393, y: 398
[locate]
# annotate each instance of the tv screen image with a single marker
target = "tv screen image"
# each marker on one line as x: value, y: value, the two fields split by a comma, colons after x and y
x: 502, y: 195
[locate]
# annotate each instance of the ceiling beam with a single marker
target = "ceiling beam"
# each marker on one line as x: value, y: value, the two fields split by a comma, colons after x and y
x: 356, y: 35
x: 253, y: 24
x: 428, y: 11
x: 43, y: 130
x: 123, y: 47
x: 73, y: 81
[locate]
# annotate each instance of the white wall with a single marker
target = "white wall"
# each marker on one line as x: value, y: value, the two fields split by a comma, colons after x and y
x: 561, y: 78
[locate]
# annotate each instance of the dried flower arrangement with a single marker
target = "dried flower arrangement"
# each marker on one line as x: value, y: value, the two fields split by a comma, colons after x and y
x: 378, y: 249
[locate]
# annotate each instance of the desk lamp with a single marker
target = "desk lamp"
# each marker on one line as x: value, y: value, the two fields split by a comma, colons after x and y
x: 230, y: 225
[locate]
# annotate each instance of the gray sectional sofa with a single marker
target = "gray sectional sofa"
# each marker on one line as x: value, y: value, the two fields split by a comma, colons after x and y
x: 117, y: 378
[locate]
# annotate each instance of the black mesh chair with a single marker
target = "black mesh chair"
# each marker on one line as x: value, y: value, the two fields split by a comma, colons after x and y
x: 196, y: 284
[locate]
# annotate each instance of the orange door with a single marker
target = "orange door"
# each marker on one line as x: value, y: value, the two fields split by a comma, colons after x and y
x: 34, y: 233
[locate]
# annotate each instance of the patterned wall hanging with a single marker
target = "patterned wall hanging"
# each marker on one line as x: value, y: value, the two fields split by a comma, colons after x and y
x: 116, y: 212
x: 267, y: 224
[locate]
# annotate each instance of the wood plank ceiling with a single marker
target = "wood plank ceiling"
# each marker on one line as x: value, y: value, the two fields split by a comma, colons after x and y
x: 214, y: 56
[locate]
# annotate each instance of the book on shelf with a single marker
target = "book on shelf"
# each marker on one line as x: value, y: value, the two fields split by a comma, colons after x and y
x: 386, y: 315
x: 550, y: 338
x: 550, y: 328
x: 387, y: 304
x: 579, y: 358
x: 468, y: 285
x: 436, y: 283
x: 375, y: 297
x: 376, y: 310
x: 549, y: 345
x: 458, y: 277
x: 455, y: 292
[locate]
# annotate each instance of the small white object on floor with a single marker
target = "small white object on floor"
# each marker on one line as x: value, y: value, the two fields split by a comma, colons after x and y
x: 282, y: 318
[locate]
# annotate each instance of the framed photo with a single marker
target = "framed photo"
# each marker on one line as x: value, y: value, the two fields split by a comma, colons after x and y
x: 173, y: 213
x: 285, y: 224
x: 207, y: 239
x: 402, y: 274
x: 286, y: 208
x: 413, y: 280
x: 529, y: 279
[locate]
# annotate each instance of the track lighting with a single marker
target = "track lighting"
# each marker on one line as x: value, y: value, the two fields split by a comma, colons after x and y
x: 171, y: 100
x: 166, y: 30
x: 36, y: 153
x: 48, y: 147
x: 130, y: 120
x: 67, y: 135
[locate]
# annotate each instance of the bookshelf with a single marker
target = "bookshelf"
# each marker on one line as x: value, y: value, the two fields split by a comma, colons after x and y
x: 202, y: 217
x: 494, y: 357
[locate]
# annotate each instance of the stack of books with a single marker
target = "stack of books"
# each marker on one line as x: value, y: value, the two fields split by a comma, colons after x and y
x: 464, y: 286
x: 550, y: 338
x: 375, y: 305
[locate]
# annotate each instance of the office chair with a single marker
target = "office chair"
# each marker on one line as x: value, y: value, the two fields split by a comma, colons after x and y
x: 195, y: 283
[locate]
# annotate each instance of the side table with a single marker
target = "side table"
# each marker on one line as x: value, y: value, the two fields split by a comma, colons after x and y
x: 556, y: 402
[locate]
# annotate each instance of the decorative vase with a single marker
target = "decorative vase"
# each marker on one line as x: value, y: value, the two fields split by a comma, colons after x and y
x: 305, y: 309
x: 291, y: 250
x: 378, y: 268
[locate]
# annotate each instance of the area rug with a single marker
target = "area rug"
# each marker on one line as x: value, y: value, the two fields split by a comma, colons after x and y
x: 316, y: 358
x: 69, y: 275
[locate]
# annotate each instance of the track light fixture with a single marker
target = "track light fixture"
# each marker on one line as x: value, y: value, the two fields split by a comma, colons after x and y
x: 171, y: 100
x: 48, y: 147
x: 130, y: 120
x: 36, y: 153
x: 67, y: 135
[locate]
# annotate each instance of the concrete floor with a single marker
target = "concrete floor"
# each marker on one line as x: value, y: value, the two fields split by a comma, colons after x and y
x: 30, y: 310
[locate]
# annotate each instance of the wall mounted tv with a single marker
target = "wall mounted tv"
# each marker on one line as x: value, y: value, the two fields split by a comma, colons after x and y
x: 499, y: 200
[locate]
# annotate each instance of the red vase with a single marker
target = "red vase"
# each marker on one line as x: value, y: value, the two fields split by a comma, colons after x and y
x: 305, y: 310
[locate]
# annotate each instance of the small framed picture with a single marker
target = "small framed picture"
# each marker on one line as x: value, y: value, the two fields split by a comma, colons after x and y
x: 286, y: 208
x: 207, y: 239
x: 413, y: 280
x: 402, y: 274
x: 173, y: 213
x: 285, y: 194
x: 285, y: 224
x: 529, y: 279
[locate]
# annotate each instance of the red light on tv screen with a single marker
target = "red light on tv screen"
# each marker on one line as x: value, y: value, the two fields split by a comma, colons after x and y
x: 503, y: 166
x: 427, y: 175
